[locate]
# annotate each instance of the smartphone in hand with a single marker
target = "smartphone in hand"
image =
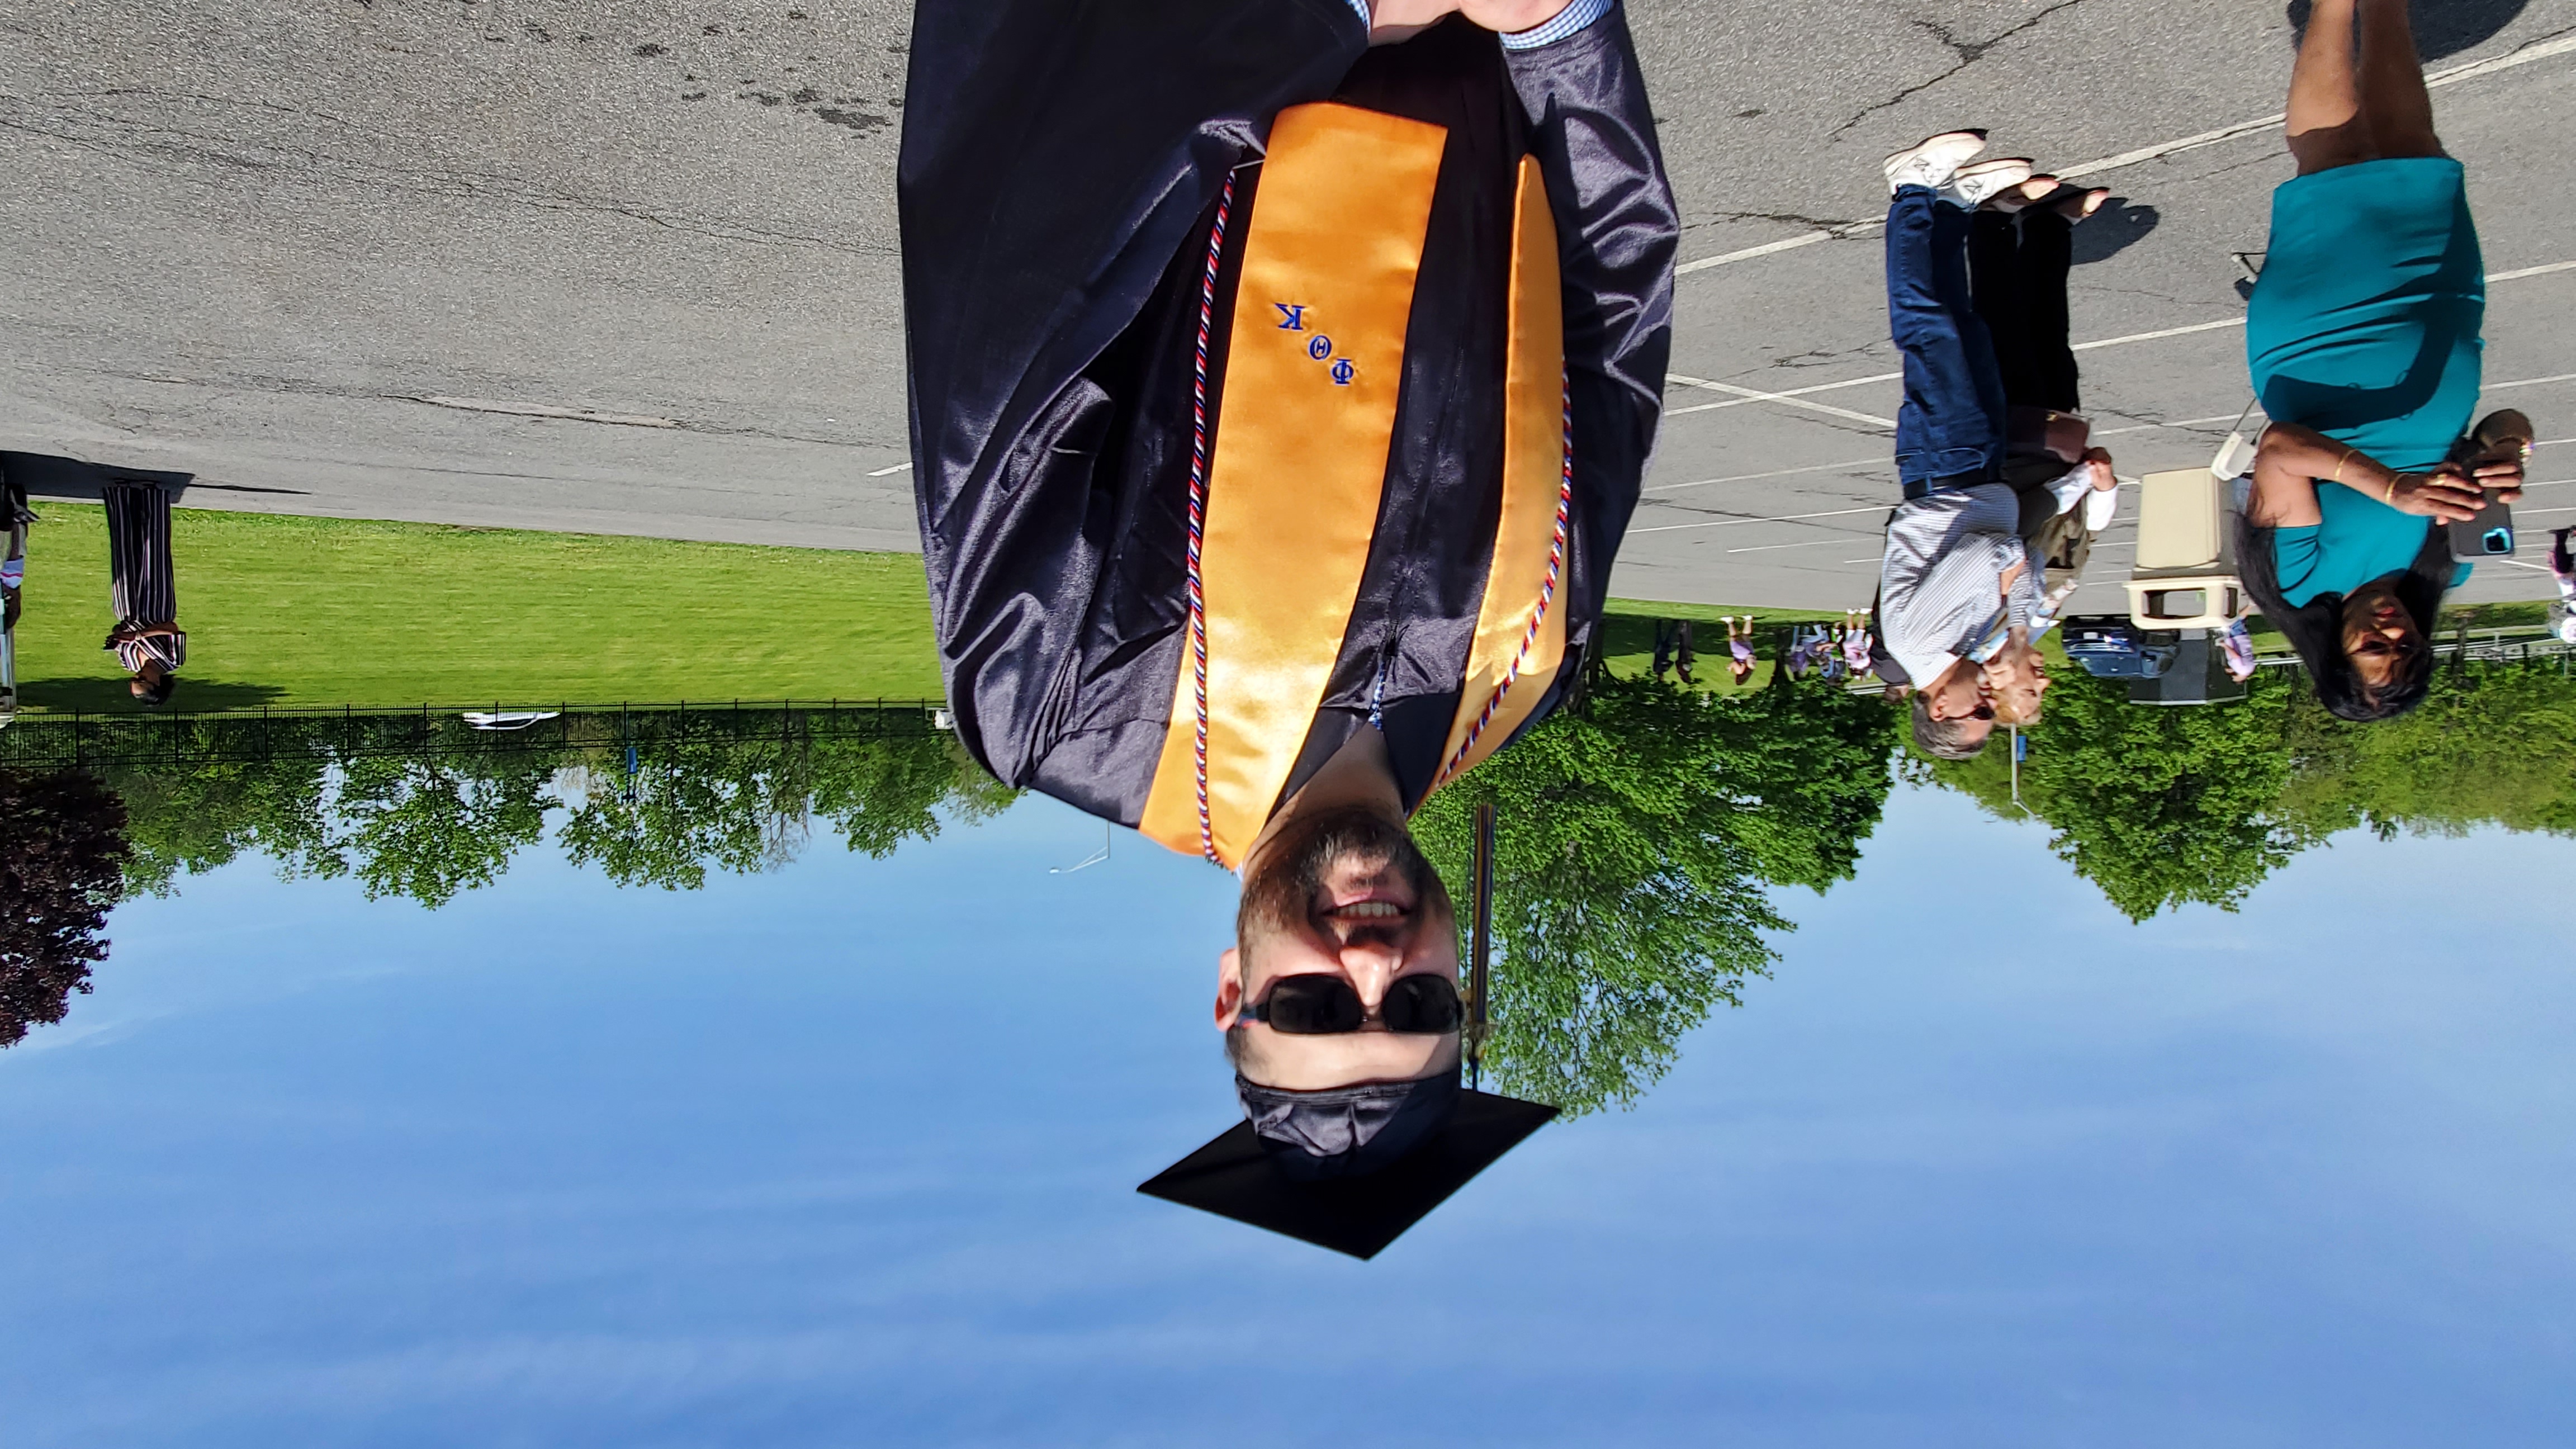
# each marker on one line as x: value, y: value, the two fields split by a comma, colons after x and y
x: 2488, y: 535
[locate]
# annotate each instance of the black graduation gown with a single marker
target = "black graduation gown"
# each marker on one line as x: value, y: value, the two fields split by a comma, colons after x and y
x: 1060, y: 167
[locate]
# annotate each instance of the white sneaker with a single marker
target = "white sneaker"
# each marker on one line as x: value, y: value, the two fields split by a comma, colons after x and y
x: 1969, y: 186
x: 1931, y: 161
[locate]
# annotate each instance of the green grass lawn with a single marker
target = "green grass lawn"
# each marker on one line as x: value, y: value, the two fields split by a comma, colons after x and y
x: 1628, y: 638
x: 324, y: 611
x: 286, y: 611
x: 291, y: 611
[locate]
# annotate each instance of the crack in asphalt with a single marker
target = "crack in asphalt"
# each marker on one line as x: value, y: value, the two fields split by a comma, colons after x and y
x: 1784, y: 218
x: 538, y: 412
x: 1969, y: 52
x: 2147, y: 292
x: 1814, y: 357
x: 129, y: 138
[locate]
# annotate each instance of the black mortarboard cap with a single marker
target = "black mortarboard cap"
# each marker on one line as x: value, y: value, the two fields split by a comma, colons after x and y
x: 1348, y: 1169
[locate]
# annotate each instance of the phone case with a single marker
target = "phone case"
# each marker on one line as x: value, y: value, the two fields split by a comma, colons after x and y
x: 2489, y: 535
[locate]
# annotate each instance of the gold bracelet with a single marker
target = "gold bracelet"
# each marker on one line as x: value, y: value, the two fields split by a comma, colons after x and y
x: 2339, y: 462
x: 2390, y: 497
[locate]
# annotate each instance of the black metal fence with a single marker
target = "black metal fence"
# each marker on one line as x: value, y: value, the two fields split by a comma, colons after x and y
x: 60, y: 741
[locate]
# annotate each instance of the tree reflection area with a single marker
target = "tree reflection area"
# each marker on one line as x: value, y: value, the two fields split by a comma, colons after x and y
x: 423, y: 805
x: 1644, y: 829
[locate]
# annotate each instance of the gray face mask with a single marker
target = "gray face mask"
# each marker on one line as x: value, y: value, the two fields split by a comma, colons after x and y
x: 1346, y: 1131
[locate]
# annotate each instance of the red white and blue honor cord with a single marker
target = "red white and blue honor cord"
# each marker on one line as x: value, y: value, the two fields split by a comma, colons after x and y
x: 1198, y: 506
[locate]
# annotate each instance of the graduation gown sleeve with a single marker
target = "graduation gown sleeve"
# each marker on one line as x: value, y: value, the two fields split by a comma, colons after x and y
x: 1056, y: 156
x: 1617, y: 232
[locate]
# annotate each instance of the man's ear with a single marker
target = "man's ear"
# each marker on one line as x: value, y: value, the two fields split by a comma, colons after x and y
x: 1229, y: 986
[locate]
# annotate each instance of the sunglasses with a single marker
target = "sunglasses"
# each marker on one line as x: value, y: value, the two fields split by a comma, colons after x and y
x: 1326, y: 1005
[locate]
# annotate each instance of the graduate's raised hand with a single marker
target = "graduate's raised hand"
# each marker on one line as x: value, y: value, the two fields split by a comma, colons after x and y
x: 1511, y: 15
x: 1391, y: 21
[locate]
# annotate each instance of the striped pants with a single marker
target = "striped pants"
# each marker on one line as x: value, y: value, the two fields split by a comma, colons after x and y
x: 141, y: 587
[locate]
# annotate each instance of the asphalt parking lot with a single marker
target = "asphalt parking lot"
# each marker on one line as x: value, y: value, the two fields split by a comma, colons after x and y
x: 631, y: 267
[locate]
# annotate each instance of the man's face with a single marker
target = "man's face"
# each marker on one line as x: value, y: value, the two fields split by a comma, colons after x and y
x: 1345, y: 894
x: 1959, y: 694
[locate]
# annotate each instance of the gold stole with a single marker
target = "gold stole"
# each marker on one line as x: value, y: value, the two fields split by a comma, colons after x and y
x: 1314, y: 362
x: 1533, y: 475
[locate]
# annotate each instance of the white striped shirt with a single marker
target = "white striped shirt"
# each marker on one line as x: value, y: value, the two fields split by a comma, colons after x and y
x: 1940, y: 584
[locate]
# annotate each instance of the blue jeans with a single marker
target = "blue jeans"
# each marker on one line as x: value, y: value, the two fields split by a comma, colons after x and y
x: 1950, y: 428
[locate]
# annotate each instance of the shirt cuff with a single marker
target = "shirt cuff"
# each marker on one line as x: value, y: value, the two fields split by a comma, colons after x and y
x: 2069, y: 487
x: 1361, y: 7
x: 2100, y: 507
x: 1575, y: 17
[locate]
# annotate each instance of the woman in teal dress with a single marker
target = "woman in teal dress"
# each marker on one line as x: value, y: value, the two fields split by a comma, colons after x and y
x: 2363, y: 342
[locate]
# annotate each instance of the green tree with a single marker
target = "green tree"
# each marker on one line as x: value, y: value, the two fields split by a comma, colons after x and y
x: 739, y: 806
x: 2490, y: 745
x: 880, y: 793
x: 190, y: 820
x: 2160, y: 807
x: 1635, y: 835
x: 2157, y: 806
x: 426, y: 827
x: 424, y: 807
x: 747, y: 805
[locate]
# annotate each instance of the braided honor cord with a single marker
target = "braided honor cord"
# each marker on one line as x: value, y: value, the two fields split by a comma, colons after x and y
x: 1546, y: 596
x: 1198, y: 507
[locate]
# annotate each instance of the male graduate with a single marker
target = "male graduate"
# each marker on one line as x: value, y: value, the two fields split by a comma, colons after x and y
x: 1282, y: 376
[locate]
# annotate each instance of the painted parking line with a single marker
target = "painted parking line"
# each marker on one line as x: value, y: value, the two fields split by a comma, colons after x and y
x: 1875, y: 460
x: 2452, y: 75
x: 1803, y: 543
x: 2531, y: 382
x: 1734, y: 522
x: 1881, y: 460
x: 2159, y: 333
x: 1795, y: 397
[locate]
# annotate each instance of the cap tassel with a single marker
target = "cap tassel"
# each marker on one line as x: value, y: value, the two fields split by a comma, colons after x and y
x: 1481, y: 946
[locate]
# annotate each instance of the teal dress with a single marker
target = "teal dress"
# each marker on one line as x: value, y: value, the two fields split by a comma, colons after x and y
x: 2365, y: 326
x: 2361, y: 539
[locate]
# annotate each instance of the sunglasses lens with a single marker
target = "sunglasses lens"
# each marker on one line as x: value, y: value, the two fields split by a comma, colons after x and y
x: 1422, y: 1004
x: 1315, y: 1006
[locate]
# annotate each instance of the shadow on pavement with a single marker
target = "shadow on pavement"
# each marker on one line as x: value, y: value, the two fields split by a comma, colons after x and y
x: 2442, y: 27
x: 2110, y: 231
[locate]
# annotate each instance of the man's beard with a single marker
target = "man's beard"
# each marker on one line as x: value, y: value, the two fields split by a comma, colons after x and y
x: 1280, y: 890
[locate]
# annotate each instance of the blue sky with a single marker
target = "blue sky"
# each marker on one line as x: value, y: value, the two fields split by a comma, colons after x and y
x: 846, y: 1154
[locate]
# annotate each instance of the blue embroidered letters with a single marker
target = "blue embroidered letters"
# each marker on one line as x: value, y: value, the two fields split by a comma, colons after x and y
x: 1292, y: 318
